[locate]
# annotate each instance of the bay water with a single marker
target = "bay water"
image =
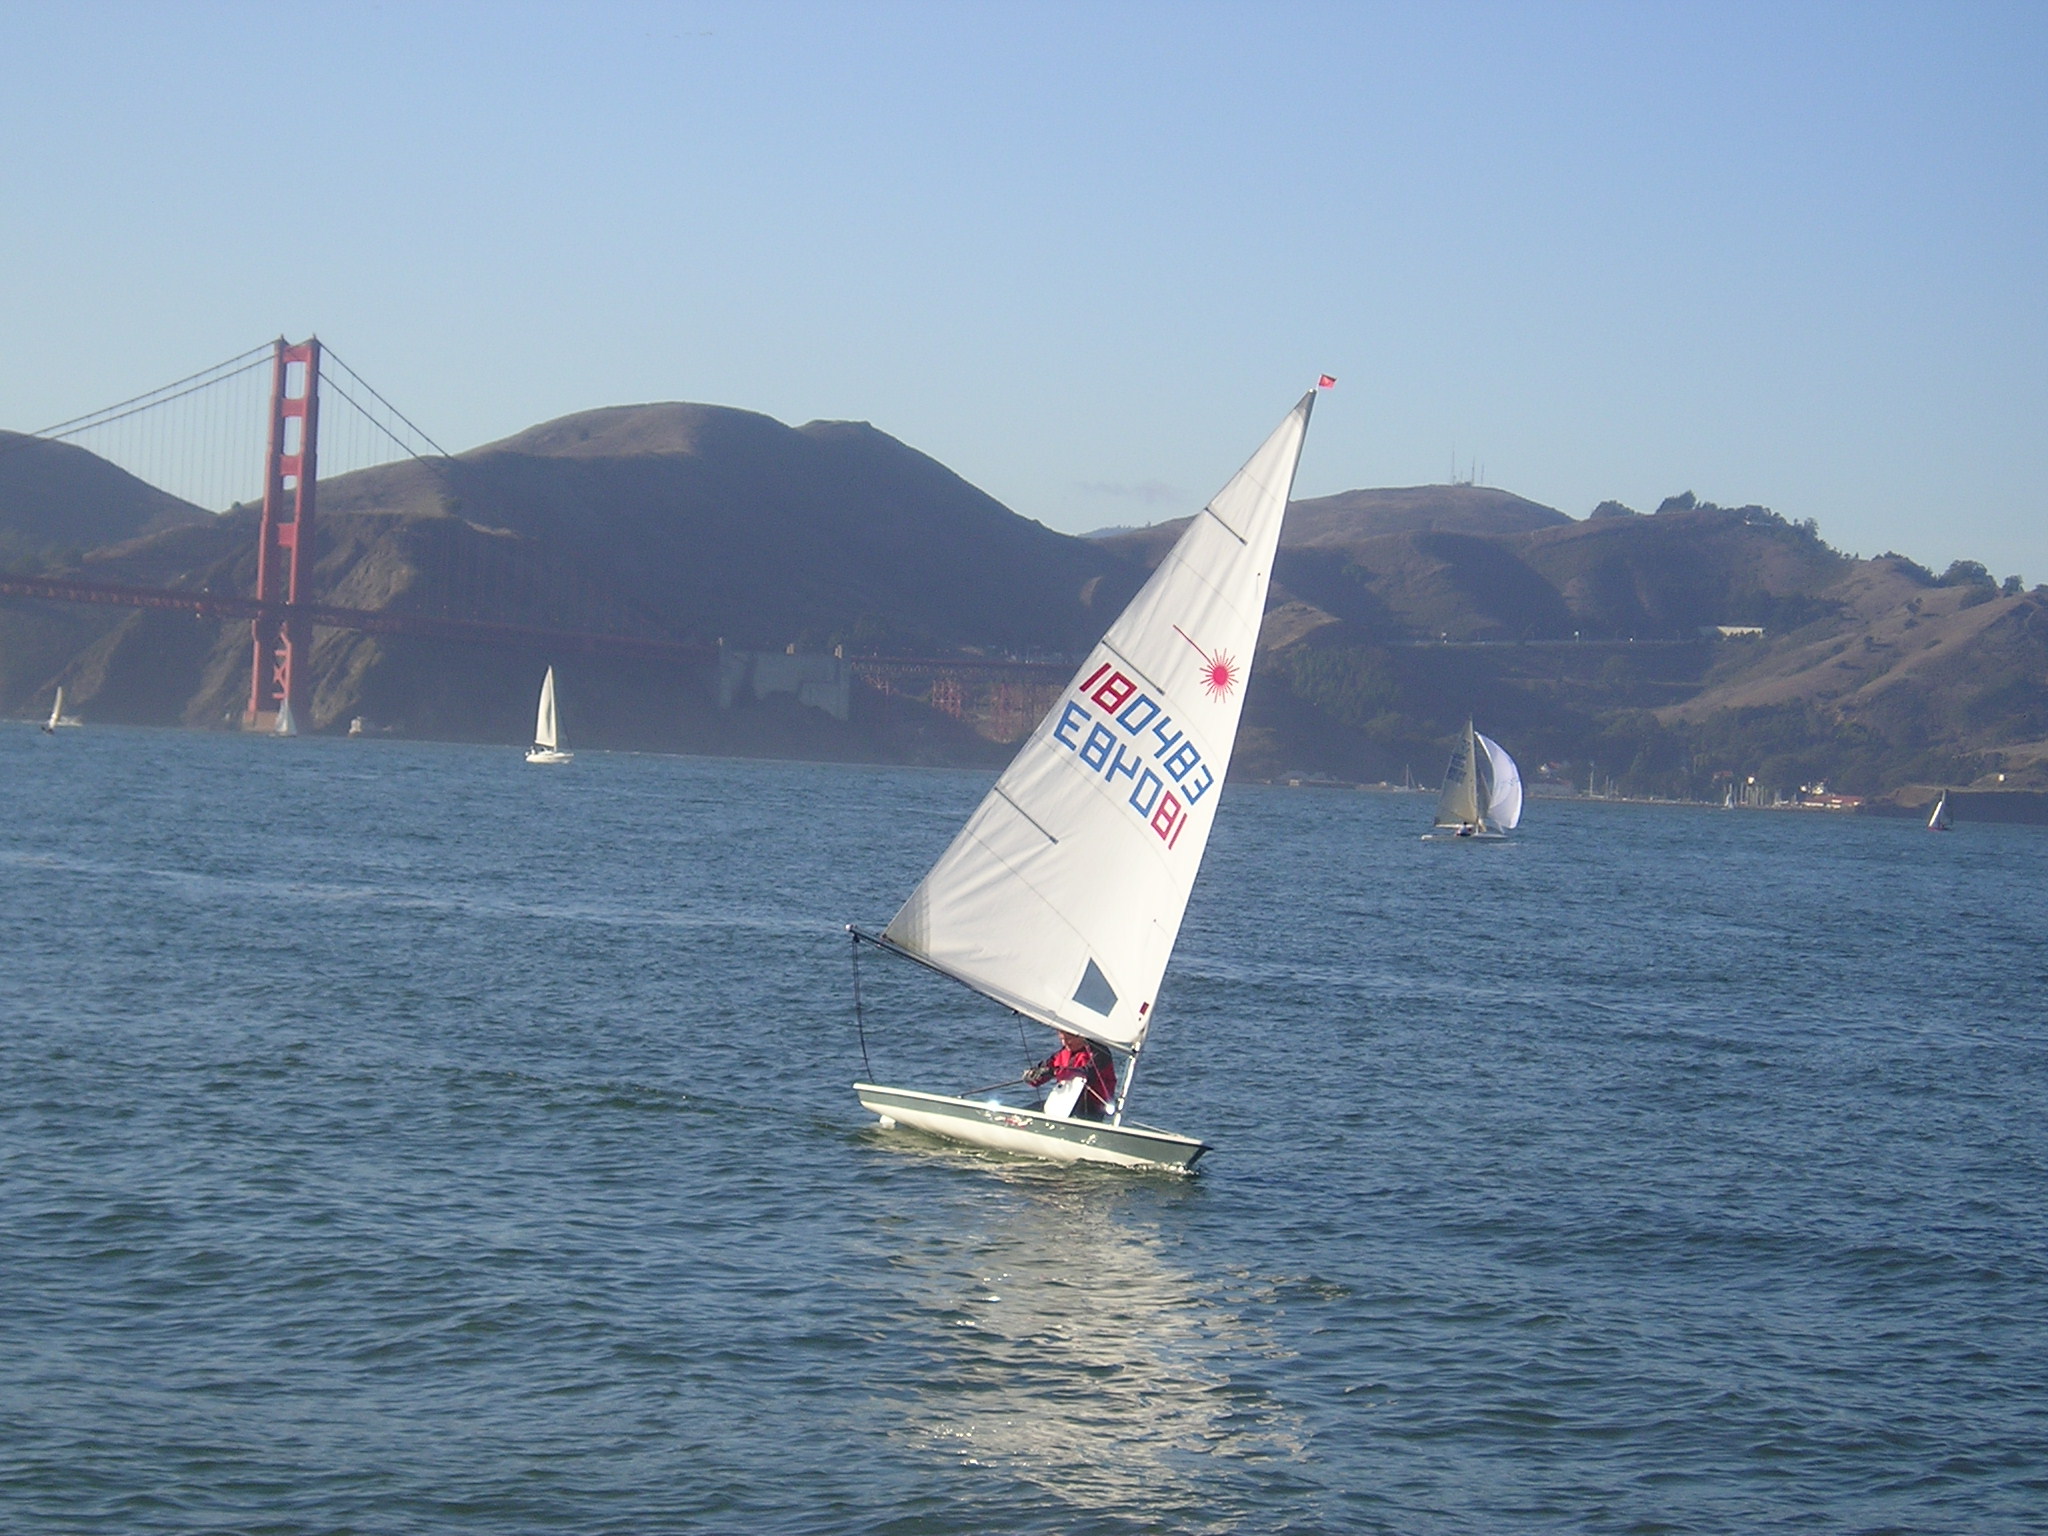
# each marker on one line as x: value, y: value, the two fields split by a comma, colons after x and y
x: 397, y: 1137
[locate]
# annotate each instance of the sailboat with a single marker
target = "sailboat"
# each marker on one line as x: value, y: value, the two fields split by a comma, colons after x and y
x: 1485, y: 806
x: 1728, y: 799
x: 547, y: 736
x: 1938, y: 820
x: 286, y: 725
x: 57, y: 715
x: 1062, y: 896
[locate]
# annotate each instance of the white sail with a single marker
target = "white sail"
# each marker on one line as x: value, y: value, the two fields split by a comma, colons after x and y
x: 286, y: 725
x: 1938, y: 821
x: 57, y: 710
x: 545, y: 733
x: 1504, y: 796
x: 1458, y: 805
x: 1063, y: 894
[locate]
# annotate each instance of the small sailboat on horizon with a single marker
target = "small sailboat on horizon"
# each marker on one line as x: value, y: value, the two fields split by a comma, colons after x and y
x: 1478, y: 805
x: 1063, y: 895
x: 1938, y: 819
x: 58, y: 717
x: 547, y: 736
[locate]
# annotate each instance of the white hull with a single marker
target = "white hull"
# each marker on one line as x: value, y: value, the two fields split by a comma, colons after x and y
x: 1004, y: 1128
x: 548, y: 755
x: 1456, y: 835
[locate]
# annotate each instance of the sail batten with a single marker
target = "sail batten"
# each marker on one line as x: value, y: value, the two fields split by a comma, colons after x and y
x: 1063, y: 895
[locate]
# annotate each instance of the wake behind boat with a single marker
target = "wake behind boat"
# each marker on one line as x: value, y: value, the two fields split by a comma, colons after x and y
x: 1480, y: 804
x: 1063, y: 895
x: 547, y: 735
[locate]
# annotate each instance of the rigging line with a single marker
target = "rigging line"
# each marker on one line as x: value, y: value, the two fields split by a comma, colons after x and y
x: 867, y: 1071
x: 394, y: 410
x: 363, y: 415
x: 63, y: 430
x: 403, y: 446
x: 245, y: 359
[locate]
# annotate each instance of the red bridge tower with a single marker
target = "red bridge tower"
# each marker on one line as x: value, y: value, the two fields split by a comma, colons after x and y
x: 281, y: 644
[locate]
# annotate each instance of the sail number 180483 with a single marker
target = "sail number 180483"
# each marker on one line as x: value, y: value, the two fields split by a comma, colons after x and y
x: 1134, y: 738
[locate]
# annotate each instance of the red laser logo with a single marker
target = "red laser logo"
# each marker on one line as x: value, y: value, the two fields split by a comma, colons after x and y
x: 1219, y: 669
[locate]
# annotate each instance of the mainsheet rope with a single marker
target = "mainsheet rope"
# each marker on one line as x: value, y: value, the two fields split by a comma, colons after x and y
x: 867, y: 1071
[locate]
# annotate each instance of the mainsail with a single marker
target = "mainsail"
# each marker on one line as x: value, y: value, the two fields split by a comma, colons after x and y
x: 56, y: 710
x: 1064, y: 893
x: 1504, y: 795
x: 1458, y: 806
x: 544, y: 731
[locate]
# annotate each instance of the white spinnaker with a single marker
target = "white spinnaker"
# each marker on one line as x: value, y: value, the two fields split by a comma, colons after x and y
x: 1504, y: 799
x: 1458, y: 805
x: 544, y: 731
x: 1063, y: 894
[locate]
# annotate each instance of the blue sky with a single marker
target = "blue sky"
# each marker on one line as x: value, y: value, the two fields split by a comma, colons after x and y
x: 1088, y: 254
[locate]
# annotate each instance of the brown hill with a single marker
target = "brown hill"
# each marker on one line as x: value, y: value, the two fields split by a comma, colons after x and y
x: 1394, y: 613
x: 1598, y: 642
x: 57, y: 501
x: 686, y: 521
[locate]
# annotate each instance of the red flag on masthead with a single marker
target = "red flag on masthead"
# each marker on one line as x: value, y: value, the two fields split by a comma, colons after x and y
x: 1327, y: 381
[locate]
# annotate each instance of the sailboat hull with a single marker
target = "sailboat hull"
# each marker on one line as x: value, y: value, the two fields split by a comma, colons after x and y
x: 982, y: 1123
x: 548, y: 755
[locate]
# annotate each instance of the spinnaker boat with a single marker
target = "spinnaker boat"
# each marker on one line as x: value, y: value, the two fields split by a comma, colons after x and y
x: 547, y: 735
x: 1482, y: 796
x: 1062, y: 896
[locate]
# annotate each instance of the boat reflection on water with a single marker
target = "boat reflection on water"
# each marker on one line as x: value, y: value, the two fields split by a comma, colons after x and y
x: 1053, y: 1346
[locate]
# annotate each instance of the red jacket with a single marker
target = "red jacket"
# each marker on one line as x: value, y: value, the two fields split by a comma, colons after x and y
x: 1084, y: 1060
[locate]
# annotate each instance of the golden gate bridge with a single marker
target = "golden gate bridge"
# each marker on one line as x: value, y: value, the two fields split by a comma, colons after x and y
x: 195, y: 454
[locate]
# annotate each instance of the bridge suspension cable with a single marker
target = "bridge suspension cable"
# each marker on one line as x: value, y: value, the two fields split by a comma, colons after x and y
x: 199, y: 438
x: 379, y: 424
x: 191, y: 384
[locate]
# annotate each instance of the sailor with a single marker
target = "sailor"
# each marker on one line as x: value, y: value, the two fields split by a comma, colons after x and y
x: 1080, y: 1057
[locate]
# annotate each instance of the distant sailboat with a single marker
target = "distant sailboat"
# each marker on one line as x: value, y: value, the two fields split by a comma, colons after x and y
x: 547, y: 736
x: 1062, y: 897
x: 57, y: 715
x: 286, y: 725
x: 1476, y: 804
x: 1728, y: 799
x: 1938, y: 820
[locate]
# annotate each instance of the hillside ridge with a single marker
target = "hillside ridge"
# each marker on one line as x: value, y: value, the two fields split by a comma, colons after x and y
x: 1395, y: 611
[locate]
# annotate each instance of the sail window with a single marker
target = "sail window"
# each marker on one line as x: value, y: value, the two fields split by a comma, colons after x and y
x: 1095, y: 993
